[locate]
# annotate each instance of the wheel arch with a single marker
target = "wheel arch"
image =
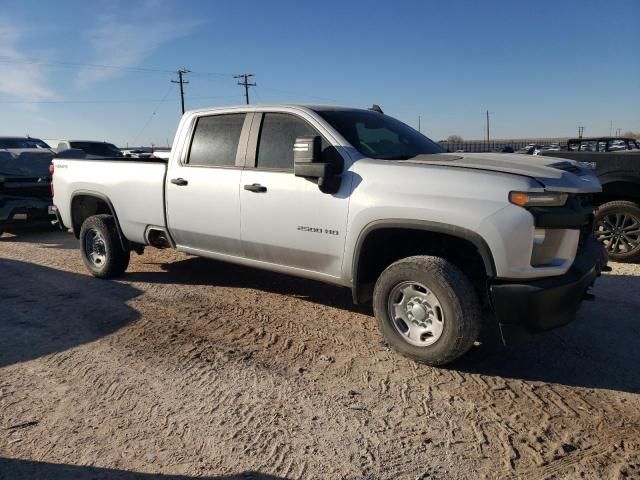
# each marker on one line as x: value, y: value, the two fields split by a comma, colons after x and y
x: 619, y: 187
x: 429, y: 230
x: 86, y: 203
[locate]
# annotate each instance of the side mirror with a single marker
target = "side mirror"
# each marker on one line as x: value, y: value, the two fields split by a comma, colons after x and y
x: 308, y: 162
x: 307, y: 150
x: 307, y: 158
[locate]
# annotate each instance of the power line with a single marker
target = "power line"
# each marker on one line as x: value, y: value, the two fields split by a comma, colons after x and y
x: 246, y: 84
x: 62, y: 102
x: 34, y: 61
x: 181, y: 81
x: 155, y: 110
x: 8, y: 60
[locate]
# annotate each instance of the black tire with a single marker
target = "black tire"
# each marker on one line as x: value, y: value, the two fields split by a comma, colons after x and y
x: 617, y: 227
x: 99, y: 239
x: 458, y: 308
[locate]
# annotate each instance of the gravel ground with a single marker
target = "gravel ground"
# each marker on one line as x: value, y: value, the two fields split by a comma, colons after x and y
x: 187, y: 368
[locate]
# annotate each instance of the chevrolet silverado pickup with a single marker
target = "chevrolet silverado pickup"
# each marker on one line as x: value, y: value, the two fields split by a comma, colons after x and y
x: 437, y: 241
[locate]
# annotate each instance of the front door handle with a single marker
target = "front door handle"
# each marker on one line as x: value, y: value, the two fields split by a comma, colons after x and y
x: 255, y: 187
x: 179, y: 181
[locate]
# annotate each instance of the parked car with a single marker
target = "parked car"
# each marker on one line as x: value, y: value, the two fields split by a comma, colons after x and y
x: 532, y: 149
x: 137, y: 153
x: 357, y: 199
x: 602, y: 144
x: 617, y: 219
x: 25, y: 185
x: 22, y: 143
x: 92, y: 149
x: 162, y: 153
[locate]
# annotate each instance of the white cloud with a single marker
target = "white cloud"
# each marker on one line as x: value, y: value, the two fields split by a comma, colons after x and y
x: 18, y: 77
x: 126, y: 42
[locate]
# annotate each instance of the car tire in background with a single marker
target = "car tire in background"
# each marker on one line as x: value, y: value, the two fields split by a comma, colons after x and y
x: 617, y: 227
x: 100, y: 247
x: 427, y: 309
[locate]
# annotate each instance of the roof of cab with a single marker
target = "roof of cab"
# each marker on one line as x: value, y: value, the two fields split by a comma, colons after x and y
x: 259, y: 106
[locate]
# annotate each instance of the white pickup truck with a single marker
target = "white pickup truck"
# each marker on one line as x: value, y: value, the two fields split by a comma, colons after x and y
x: 358, y: 199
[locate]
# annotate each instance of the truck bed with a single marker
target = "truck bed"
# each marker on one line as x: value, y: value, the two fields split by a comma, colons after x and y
x: 135, y: 187
x: 608, y: 165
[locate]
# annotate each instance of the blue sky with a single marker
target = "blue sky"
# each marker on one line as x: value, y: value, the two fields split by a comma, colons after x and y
x: 541, y: 68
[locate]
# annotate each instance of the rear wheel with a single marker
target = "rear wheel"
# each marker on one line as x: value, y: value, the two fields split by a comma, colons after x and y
x: 427, y: 309
x: 100, y: 247
x: 617, y: 226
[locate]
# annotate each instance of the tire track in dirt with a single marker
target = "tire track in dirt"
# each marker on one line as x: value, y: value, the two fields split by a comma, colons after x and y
x: 221, y: 369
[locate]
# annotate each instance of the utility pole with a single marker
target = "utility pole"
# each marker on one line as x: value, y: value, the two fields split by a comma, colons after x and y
x: 419, y: 119
x: 245, y: 83
x: 610, y: 127
x: 487, y: 127
x: 181, y: 81
x: 580, y: 131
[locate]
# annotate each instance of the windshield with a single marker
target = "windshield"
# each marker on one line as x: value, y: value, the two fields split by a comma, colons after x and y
x: 100, y: 149
x: 29, y: 164
x: 22, y: 143
x: 376, y: 135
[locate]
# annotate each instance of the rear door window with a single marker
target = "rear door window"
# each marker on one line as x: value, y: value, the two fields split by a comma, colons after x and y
x: 215, y: 140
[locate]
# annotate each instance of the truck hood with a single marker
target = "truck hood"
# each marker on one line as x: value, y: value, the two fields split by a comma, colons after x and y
x: 555, y: 174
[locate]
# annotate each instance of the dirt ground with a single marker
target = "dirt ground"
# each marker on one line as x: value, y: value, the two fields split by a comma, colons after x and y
x: 188, y: 368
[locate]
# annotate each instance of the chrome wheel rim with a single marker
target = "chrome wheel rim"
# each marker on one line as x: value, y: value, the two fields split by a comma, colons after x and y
x: 416, y: 313
x: 95, y: 248
x: 619, y: 232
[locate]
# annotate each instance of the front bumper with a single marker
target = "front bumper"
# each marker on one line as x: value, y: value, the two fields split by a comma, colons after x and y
x: 549, y: 302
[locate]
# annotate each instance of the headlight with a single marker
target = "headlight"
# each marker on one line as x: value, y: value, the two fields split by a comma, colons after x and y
x: 538, y: 199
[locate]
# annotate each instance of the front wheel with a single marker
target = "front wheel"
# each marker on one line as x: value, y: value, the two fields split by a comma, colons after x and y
x: 427, y: 309
x: 617, y: 227
x: 100, y: 247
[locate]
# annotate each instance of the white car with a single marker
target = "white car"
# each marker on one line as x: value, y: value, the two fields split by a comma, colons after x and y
x: 91, y: 148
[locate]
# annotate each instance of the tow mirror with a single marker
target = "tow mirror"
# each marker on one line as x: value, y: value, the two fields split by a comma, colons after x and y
x: 307, y: 156
x: 308, y: 162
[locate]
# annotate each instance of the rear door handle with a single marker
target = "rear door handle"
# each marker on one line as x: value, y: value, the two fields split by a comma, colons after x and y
x: 179, y: 181
x: 255, y: 187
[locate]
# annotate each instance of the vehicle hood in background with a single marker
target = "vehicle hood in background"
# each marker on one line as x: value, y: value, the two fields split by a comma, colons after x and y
x: 554, y: 173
